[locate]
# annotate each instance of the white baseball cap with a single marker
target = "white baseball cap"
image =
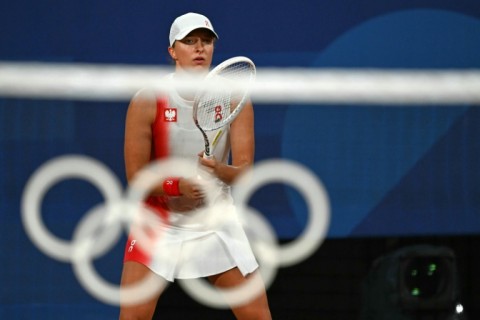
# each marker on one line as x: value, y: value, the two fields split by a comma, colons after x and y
x: 188, y: 22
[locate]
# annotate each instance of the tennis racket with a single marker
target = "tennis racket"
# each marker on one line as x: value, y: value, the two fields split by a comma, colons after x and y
x: 216, y: 107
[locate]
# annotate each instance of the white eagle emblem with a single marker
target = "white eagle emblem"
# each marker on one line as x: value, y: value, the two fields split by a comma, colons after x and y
x: 171, y: 115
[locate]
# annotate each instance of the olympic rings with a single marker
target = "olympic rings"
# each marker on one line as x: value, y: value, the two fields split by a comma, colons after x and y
x: 103, y: 224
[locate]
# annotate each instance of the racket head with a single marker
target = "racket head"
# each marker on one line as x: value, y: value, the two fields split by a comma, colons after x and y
x: 224, y: 93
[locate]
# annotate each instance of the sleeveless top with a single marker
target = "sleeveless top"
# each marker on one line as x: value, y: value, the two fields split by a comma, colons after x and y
x: 201, y: 241
x: 174, y: 134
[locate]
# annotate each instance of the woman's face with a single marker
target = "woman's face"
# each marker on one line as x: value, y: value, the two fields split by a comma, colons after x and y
x: 194, y: 52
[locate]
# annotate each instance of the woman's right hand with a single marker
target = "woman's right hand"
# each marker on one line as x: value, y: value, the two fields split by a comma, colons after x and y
x: 191, y: 189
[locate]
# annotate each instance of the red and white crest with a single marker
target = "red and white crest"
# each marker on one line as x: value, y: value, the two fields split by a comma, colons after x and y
x: 170, y: 115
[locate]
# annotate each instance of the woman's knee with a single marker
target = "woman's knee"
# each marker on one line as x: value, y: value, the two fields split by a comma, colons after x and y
x: 137, y: 313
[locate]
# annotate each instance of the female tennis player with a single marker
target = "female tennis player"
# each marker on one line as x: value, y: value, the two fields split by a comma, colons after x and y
x: 158, y: 127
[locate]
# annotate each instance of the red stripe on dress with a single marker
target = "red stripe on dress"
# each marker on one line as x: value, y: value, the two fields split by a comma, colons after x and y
x: 160, y: 149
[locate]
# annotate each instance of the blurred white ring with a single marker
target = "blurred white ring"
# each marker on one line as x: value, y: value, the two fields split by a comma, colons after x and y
x: 43, y: 179
x: 262, y: 238
x: 85, y: 271
x: 316, y: 197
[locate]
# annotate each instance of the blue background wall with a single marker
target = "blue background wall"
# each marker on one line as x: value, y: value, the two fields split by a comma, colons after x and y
x: 404, y: 171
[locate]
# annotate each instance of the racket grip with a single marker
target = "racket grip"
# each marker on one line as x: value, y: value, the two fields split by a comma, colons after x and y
x: 205, y: 156
x: 214, y: 145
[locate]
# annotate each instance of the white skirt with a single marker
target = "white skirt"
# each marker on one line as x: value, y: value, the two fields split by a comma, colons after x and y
x: 186, y: 253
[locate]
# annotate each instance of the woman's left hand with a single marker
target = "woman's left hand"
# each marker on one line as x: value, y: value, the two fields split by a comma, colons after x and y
x: 209, y: 164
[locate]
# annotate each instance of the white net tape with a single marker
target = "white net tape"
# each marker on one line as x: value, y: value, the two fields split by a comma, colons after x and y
x: 273, y: 85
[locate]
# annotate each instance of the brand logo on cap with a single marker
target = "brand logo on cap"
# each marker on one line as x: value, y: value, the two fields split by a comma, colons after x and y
x: 206, y: 23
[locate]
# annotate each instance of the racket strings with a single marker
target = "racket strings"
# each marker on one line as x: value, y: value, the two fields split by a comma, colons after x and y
x: 212, y: 109
x: 216, y: 105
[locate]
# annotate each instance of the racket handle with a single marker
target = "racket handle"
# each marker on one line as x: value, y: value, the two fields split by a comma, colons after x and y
x: 214, y: 144
x: 205, y: 156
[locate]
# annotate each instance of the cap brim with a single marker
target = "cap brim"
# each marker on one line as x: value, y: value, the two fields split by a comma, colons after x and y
x: 185, y: 33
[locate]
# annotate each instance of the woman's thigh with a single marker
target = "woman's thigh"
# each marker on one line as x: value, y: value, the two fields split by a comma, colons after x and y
x: 132, y: 273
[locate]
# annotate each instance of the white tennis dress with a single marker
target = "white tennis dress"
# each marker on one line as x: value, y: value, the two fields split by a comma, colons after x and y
x: 199, y: 242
